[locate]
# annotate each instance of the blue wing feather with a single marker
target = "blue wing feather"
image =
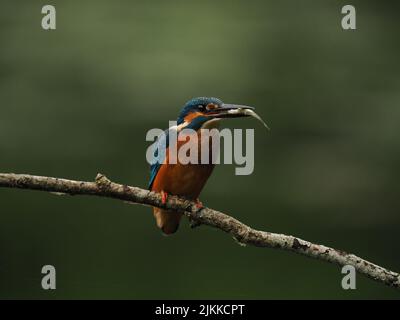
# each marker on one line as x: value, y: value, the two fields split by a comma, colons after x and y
x: 162, y: 144
x: 158, y: 155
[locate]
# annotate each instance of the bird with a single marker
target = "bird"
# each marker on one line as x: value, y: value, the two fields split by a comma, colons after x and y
x: 188, y: 180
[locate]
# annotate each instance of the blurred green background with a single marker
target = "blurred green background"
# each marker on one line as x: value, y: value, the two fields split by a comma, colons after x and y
x: 79, y: 100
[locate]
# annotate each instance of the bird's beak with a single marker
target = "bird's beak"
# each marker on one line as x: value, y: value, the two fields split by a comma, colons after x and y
x: 236, y: 111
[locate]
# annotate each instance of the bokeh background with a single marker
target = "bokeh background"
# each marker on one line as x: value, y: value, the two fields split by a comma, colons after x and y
x: 79, y: 100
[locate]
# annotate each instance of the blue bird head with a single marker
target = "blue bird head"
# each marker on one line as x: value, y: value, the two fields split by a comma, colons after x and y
x: 198, y: 111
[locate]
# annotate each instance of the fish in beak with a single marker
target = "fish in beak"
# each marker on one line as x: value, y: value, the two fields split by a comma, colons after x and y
x: 236, y: 111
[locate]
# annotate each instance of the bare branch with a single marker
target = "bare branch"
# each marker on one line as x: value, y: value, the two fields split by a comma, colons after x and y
x: 103, y: 187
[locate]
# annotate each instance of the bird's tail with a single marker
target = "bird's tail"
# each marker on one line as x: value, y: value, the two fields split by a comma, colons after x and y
x: 167, y: 221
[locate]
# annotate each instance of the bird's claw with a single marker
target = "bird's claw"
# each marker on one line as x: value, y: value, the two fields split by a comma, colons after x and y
x: 199, y: 204
x: 164, y: 197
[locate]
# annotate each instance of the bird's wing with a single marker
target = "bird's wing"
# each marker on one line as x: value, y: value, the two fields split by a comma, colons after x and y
x: 160, y: 147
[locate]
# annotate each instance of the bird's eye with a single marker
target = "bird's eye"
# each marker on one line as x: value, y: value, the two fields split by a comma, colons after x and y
x: 201, y: 107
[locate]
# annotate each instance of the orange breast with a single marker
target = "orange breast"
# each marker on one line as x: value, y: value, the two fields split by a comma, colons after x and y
x: 185, y: 180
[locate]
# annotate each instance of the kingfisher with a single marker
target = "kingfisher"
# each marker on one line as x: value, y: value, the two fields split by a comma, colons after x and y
x: 187, y: 180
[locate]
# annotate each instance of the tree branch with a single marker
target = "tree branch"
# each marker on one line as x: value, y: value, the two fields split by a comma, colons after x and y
x: 103, y: 187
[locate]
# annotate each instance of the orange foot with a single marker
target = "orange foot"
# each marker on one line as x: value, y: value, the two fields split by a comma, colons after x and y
x: 199, y: 204
x: 164, y: 197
